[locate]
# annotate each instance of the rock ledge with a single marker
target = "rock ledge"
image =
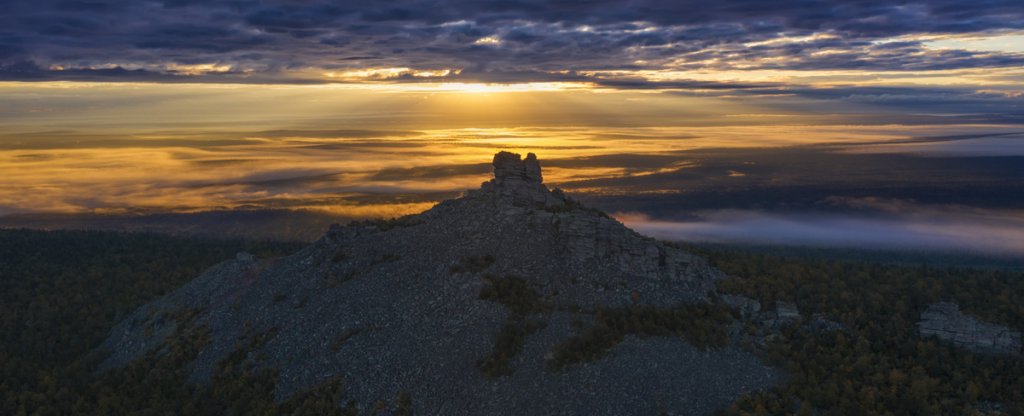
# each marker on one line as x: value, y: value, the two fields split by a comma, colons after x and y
x: 945, y: 321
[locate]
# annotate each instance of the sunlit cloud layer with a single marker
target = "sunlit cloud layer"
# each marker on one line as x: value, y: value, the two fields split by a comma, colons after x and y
x: 129, y: 147
x: 792, y: 184
x: 387, y: 173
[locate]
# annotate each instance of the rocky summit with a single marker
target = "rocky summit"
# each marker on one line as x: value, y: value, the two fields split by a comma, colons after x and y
x: 512, y: 299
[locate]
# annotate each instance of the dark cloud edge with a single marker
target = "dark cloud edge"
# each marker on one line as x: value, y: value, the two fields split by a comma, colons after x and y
x: 29, y: 72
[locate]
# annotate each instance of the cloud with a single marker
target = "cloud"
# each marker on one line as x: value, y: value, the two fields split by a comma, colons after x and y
x: 990, y: 232
x: 666, y: 172
x: 1003, y: 145
x: 296, y: 41
x: 862, y: 57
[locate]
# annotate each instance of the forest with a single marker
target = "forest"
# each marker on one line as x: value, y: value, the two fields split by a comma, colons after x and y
x: 62, y: 291
x: 877, y: 364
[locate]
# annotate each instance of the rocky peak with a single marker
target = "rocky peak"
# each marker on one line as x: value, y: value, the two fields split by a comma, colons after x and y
x: 509, y: 166
x: 519, y: 182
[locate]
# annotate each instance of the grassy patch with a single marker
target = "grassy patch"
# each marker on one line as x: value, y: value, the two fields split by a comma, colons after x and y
x: 472, y: 264
x: 571, y: 205
x: 514, y: 293
x: 702, y: 325
x: 521, y: 300
x: 507, y: 344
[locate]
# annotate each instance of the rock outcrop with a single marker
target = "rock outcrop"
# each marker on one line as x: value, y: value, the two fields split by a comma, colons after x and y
x: 518, y: 182
x: 395, y: 306
x: 747, y: 307
x: 945, y: 321
x: 588, y: 235
x: 822, y: 323
x: 768, y: 323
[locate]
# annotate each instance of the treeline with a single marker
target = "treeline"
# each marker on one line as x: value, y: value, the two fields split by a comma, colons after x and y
x: 878, y: 364
x: 62, y: 291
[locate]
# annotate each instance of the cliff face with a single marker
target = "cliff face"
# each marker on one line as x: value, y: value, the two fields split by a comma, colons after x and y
x: 399, y: 306
x: 945, y: 321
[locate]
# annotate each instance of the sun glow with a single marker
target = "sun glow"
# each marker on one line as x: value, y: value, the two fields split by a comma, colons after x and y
x: 484, y: 88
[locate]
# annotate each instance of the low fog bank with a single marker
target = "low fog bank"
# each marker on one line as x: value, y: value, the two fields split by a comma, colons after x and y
x: 998, y: 233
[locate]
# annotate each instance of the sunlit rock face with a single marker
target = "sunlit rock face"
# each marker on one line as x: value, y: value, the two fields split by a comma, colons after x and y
x: 508, y: 167
x: 393, y: 306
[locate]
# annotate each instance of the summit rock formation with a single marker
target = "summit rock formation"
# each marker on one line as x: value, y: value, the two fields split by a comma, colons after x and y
x: 415, y: 305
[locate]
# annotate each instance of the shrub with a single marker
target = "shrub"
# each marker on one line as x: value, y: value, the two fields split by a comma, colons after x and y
x: 507, y: 344
x: 514, y: 293
x: 521, y: 300
x: 702, y: 325
x: 472, y: 264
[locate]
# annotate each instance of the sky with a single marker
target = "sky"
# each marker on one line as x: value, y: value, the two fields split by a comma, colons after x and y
x: 713, y: 121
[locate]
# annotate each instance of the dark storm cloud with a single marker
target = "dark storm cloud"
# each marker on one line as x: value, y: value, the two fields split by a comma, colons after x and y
x: 30, y: 71
x: 267, y: 41
x: 201, y: 38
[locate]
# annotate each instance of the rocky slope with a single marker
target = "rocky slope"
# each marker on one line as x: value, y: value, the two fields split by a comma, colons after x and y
x: 416, y: 304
